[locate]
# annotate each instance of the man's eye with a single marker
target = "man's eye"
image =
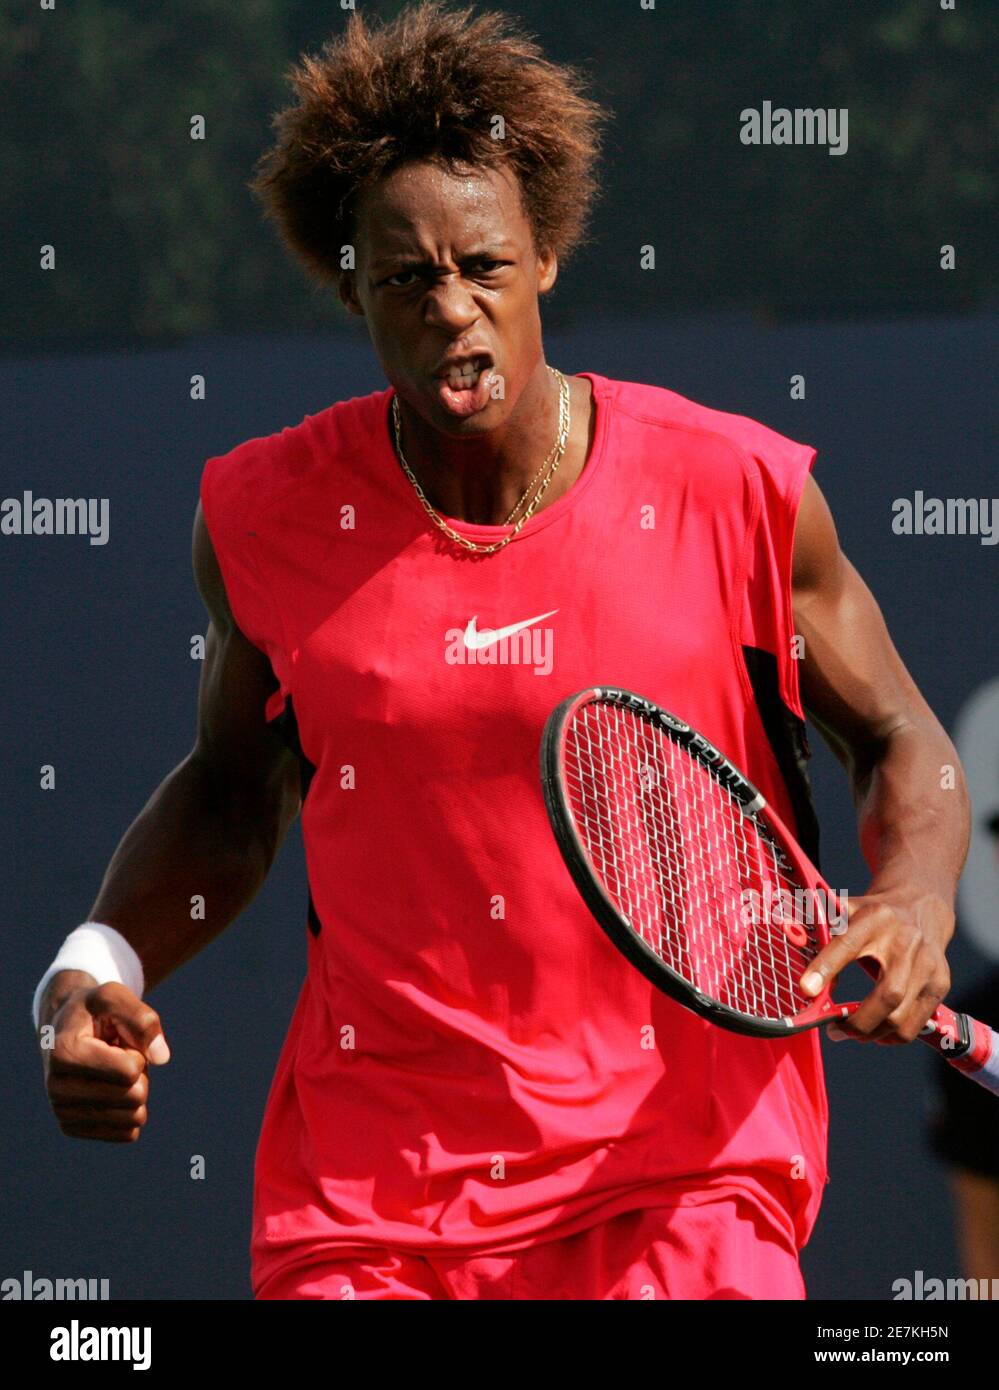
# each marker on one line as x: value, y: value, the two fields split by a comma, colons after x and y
x: 486, y: 266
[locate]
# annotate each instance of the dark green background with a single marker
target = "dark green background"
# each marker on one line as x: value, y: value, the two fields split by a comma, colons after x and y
x: 157, y: 236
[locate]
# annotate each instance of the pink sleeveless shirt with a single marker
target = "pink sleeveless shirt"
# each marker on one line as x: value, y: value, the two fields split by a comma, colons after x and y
x: 471, y: 1066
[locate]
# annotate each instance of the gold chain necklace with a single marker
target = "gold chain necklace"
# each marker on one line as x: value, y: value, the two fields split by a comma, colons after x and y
x: 564, y: 422
x: 552, y: 461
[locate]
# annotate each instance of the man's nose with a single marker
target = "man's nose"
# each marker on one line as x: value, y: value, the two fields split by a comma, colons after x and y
x: 450, y: 304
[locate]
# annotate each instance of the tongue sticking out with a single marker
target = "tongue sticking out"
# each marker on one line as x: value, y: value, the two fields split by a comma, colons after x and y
x: 466, y: 400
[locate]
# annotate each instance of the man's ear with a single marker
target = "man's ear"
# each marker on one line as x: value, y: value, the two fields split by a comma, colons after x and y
x: 347, y: 290
x: 547, y: 270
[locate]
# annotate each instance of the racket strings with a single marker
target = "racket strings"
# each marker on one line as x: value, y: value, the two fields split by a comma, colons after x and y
x: 695, y: 879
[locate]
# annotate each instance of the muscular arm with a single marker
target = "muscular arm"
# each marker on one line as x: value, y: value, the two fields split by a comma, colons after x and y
x: 214, y: 825
x: 913, y: 817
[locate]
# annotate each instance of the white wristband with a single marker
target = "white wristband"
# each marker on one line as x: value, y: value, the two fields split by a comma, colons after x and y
x: 100, y: 951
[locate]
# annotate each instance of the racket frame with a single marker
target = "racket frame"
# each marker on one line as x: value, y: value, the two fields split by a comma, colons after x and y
x: 965, y: 1043
x: 753, y: 806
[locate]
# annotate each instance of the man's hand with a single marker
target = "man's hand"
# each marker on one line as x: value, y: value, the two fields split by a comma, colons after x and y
x: 906, y: 932
x: 95, y: 1065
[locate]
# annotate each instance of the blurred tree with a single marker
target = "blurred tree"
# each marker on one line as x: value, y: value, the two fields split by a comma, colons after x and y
x: 156, y: 235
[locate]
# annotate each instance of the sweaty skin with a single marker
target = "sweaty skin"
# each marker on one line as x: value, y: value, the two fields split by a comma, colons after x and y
x: 914, y: 822
x: 446, y: 264
x: 217, y: 820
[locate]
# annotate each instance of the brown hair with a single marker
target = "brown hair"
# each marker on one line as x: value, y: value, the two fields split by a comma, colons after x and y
x: 426, y: 87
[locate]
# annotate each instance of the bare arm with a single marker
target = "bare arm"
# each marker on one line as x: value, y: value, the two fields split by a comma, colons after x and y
x: 214, y: 825
x: 913, y: 813
x: 212, y: 829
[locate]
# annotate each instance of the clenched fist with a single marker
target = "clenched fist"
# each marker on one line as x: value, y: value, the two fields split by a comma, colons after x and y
x: 97, y: 1042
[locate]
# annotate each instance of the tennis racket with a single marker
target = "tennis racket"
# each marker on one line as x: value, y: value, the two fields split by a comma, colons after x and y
x: 696, y: 880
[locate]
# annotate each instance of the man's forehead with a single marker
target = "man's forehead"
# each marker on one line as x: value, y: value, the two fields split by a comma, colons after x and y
x: 416, y: 193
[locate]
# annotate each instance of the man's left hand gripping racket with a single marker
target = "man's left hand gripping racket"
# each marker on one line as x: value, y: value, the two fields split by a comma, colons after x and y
x: 696, y: 880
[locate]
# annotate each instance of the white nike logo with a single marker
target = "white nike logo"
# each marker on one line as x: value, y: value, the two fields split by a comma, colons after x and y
x: 476, y: 640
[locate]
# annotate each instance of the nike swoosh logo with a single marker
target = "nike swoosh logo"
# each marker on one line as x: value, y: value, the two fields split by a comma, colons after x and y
x: 476, y: 640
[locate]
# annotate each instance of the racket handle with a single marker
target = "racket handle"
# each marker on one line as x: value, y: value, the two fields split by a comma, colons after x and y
x: 969, y: 1046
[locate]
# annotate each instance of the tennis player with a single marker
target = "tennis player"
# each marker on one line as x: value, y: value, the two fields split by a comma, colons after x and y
x: 478, y: 1097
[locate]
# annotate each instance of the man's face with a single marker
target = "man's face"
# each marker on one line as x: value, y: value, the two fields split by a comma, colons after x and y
x: 446, y: 266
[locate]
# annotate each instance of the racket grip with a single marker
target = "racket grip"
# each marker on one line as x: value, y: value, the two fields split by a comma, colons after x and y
x: 969, y: 1046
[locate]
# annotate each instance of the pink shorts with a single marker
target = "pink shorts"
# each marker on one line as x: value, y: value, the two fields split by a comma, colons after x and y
x: 724, y: 1249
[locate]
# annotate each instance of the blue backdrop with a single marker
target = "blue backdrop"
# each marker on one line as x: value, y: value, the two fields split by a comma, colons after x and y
x: 100, y: 683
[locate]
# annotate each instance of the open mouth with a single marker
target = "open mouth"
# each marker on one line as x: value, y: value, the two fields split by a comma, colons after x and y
x: 464, y: 389
x: 462, y: 377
